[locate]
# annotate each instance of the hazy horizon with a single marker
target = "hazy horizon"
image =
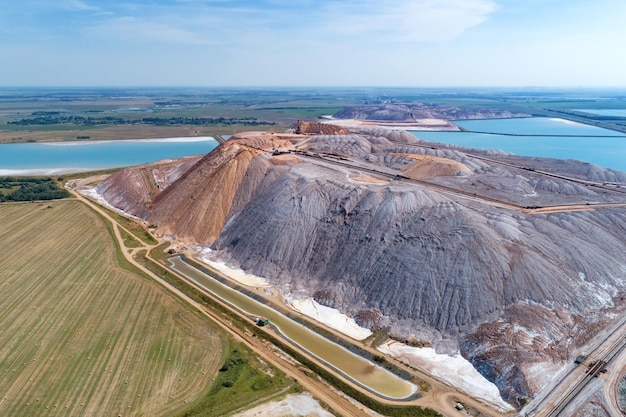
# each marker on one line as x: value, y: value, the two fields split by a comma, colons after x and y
x: 352, y: 43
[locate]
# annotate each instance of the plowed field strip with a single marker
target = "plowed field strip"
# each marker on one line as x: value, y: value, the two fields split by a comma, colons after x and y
x: 79, y: 335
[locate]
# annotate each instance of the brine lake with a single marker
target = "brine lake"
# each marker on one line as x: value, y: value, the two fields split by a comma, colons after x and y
x: 539, y: 136
x: 532, y: 136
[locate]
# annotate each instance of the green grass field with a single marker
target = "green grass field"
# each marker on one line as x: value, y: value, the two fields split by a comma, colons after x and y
x: 79, y: 335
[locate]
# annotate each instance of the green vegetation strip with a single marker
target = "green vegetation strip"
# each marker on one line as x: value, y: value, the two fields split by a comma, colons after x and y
x: 52, y: 120
x: 30, y: 189
x: 242, y: 380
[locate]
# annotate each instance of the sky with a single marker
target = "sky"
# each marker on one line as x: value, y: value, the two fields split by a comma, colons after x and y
x: 413, y: 43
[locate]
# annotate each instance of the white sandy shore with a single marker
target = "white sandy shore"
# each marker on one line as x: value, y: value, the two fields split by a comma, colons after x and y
x: 454, y: 370
x: 41, y: 171
x: 307, y: 306
x: 565, y: 121
x: 291, y: 406
x: 161, y: 140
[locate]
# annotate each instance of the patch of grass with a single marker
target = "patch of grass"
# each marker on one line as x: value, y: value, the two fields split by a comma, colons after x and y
x: 129, y: 240
x: 241, y: 380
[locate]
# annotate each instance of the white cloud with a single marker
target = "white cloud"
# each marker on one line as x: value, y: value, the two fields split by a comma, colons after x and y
x: 133, y: 28
x: 408, y: 20
x: 79, y: 5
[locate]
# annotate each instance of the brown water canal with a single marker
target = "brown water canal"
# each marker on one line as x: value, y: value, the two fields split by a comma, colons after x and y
x: 360, y: 370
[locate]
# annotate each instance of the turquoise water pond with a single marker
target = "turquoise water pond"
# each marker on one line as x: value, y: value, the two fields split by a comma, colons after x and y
x: 62, y: 157
x: 539, y: 136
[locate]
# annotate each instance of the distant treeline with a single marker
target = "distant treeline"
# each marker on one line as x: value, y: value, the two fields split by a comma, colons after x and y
x: 30, y: 189
x: 51, y: 119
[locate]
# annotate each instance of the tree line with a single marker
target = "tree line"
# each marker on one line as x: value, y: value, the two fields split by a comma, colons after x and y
x: 30, y: 189
x: 155, y: 121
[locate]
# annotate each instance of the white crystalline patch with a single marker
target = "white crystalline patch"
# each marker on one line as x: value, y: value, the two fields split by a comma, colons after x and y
x: 292, y: 405
x: 530, y: 333
x: 307, y: 306
x: 564, y: 121
x: 93, y: 193
x: 329, y: 316
x: 454, y: 370
x: 235, y: 273
x: 540, y: 373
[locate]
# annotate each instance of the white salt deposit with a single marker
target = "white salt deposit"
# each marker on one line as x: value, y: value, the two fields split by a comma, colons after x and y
x: 454, y: 370
x: 565, y: 121
x: 93, y: 193
x: 235, y: 273
x: 292, y: 405
x: 329, y: 316
x: 157, y: 140
x: 40, y: 171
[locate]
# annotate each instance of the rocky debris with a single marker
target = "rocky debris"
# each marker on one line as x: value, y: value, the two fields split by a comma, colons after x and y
x: 336, y: 217
x: 315, y: 128
x: 415, y: 111
x: 593, y: 408
x: 519, y: 351
x: 346, y: 145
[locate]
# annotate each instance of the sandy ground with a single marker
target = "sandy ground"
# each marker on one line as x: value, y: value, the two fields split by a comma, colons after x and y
x: 454, y: 370
x: 291, y: 406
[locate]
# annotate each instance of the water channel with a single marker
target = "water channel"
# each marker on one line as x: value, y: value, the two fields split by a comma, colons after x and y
x: 360, y: 370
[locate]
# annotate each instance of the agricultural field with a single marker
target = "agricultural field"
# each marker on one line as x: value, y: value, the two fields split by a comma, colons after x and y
x: 67, y: 114
x: 81, y: 336
x: 48, y: 114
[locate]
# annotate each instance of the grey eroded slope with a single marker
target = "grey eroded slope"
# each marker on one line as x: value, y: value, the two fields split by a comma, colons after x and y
x: 412, y: 253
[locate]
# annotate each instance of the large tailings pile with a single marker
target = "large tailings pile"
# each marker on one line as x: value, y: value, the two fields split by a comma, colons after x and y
x: 196, y: 207
x: 428, y: 240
